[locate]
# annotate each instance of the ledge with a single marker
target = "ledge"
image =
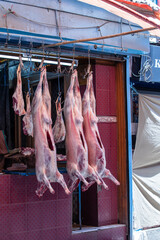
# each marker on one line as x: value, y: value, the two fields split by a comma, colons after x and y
x: 95, y: 229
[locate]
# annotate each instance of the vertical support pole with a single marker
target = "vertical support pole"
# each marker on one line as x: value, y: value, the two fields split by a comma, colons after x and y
x: 80, y: 217
x: 129, y: 149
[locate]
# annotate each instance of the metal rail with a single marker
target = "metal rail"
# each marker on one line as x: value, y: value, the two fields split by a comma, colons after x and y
x: 99, y: 38
x: 129, y: 150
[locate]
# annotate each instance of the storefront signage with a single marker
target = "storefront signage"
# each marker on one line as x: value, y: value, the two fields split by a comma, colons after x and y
x: 107, y: 119
x: 155, y: 56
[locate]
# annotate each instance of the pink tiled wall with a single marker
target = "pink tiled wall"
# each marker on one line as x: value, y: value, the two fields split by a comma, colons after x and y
x: 24, y: 216
x: 105, y: 90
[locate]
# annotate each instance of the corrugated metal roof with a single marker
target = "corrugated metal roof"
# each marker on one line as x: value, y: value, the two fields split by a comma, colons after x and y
x: 140, y: 14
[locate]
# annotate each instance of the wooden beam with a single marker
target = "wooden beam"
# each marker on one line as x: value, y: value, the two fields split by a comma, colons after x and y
x: 99, y: 38
x: 122, y: 144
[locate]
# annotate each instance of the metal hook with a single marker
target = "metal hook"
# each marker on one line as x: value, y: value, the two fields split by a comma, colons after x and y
x: 30, y: 45
x: 43, y: 47
x: 73, y: 52
x: 89, y: 56
x: 59, y: 71
x: 59, y: 97
x: 21, y: 63
x: 59, y: 62
x: 73, y: 61
x: 29, y: 69
x: 19, y: 44
x: 41, y: 64
x: 89, y: 65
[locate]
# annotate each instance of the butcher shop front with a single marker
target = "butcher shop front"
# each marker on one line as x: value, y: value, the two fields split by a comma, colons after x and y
x: 65, y: 141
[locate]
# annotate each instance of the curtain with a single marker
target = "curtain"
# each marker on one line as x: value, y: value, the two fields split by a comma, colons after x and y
x: 146, y: 165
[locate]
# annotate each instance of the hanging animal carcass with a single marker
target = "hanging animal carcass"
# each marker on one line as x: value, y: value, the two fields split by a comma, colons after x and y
x: 76, y: 147
x: 45, y: 150
x: 96, y: 151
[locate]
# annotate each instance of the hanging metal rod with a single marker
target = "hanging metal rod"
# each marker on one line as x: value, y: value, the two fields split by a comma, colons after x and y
x: 99, y: 38
x: 48, y: 56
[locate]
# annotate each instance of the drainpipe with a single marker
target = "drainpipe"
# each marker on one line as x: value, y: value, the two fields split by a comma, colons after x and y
x: 129, y: 132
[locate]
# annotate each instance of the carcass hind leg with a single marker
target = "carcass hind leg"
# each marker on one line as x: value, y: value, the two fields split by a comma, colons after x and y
x: 41, y: 189
x: 107, y: 174
x: 48, y: 185
x: 93, y: 176
x: 102, y: 182
x: 80, y: 177
x: 61, y: 181
x: 73, y: 184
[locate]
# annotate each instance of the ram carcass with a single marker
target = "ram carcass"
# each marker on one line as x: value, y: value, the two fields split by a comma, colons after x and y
x: 27, y: 119
x: 59, y: 131
x: 96, y: 151
x: 17, y: 98
x: 45, y: 151
x: 76, y: 147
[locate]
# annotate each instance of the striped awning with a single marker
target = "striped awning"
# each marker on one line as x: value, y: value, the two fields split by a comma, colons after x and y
x: 138, y: 13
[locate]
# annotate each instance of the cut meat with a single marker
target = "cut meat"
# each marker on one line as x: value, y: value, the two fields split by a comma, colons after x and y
x: 76, y: 147
x: 27, y: 119
x: 61, y: 157
x: 18, y: 102
x: 96, y: 151
x: 59, y: 131
x: 27, y: 151
x: 31, y: 151
x: 45, y: 151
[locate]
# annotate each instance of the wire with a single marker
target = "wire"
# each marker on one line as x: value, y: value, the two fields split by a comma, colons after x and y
x: 145, y: 70
x: 50, y: 25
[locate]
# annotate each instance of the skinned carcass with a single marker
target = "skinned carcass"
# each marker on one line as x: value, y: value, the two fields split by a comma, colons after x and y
x: 46, y: 94
x: 59, y: 131
x: 45, y: 150
x: 17, y: 98
x: 76, y: 147
x: 96, y: 151
x: 27, y: 119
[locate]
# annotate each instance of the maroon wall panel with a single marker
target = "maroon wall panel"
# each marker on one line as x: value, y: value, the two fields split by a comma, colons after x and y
x: 105, y: 90
x: 106, y: 106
